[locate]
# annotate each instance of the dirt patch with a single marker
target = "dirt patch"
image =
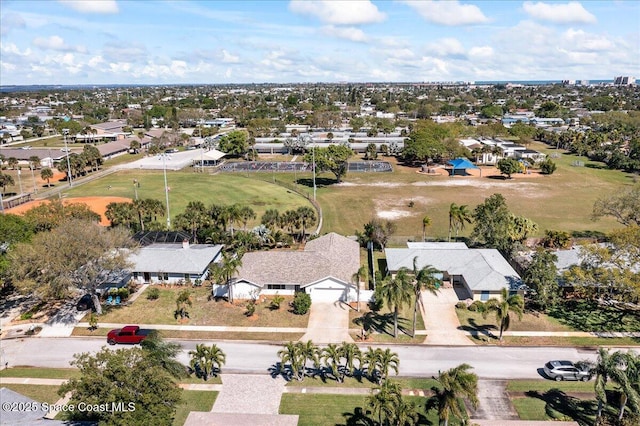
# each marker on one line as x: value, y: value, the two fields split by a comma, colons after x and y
x: 96, y: 204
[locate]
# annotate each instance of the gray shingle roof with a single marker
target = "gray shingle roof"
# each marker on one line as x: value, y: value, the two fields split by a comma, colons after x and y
x: 173, y: 258
x: 330, y: 255
x: 482, y: 269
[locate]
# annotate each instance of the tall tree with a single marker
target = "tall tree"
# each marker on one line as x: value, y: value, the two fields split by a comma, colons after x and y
x: 307, y: 217
x: 331, y: 159
x: 426, y: 222
x: 623, y: 206
x: 458, y: 382
x: 397, y: 292
x: 542, y: 277
x: 503, y: 308
x: 458, y: 216
x: 425, y: 279
x: 46, y: 174
x: 131, y: 377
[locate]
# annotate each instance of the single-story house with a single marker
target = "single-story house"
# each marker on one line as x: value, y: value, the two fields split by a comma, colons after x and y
x: 324, y: 269
x: 482, y: 273
x: 173, y: 263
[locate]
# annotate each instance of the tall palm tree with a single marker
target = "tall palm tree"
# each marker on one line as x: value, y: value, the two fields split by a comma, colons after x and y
x: 426, y: 222
x: 360, y: 274
x: 424, y: 279
x: 453, y: 213
x: 397, y: 292
x: 310, y: 352
x: 307, y: 217
x: 630, y: 393
x: 463, y: 216
x: 246, y: 213
x: 46, y: 174
x: 503, y: 307
x: 455, y: 383
x: 370, y: 361
x: 613, y: 366
x: 232, y: 214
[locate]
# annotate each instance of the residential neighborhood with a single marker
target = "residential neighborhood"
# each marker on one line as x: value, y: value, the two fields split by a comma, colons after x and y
x: 319, y: 213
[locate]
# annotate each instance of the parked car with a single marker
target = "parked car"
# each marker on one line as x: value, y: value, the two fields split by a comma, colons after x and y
x: 171, y: 151
x: 130, y: 334
x: 566, y: 370
x: 85, y: 302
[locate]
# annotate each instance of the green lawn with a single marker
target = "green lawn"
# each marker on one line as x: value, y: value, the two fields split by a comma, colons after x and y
x: 350, y: 382
x: 40, y: 393
x: 194, y: 401
x: 325, y: 410
x: 40, y: 373
x: 202, y: 312
x: 590, y: 316
x: 474, y: 321
x: 186, y: 186
x: 381, y: 323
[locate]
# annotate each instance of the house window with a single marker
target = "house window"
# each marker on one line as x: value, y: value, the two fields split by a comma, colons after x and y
x: 484, y: 296
x: 135, y: 276
x: 275, y: 286
x: 296, y: 288
x: 187, y: 277
x: 163, y: 276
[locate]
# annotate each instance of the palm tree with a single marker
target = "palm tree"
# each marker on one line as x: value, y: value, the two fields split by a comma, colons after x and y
x: 370, y: 361
x: 223, y: 271
x: 426, y: 222
x: 631, y: 391
x: 458, y: 215
x: 292, y: 354
x: 502, y: 308
x: 387, y: 360
x: 246, y: 213
x: 182, y: 301
x: 270, y: 218
x: 455, y: 383
x: 310, y: 352
x: 360, y: 274
x: 207, y: 361
x: 425, y: 279
x: 397, y: 292
x: 332, y: 356
x: 307, y: 217
x: 46, y: 174
x: 614, y: 366
x: 164, y: 354
x: 384, y: 400
x: 350, y: 353
x: 34, y: 162
x: 232, y: 214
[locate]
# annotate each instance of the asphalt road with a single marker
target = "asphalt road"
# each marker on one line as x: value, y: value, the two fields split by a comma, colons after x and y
x: 489, y: 362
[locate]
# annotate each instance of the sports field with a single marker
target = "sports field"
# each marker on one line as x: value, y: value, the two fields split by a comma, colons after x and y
x: 186, y: 186
x: 562, y: 201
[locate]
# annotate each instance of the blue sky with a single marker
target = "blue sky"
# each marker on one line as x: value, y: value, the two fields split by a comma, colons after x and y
x: 211, y: 42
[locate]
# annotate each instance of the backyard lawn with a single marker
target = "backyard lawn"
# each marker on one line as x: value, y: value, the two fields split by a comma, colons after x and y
x: 470, y: 320
x: 203, y: 311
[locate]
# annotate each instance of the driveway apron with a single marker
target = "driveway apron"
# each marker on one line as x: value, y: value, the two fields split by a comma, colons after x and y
x: 494, y: 403
x: 328, y: 323
x: 249, y: 394
x: 441, y: 322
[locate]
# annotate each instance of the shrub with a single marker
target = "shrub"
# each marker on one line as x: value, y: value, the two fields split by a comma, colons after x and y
x: 275, y: 302
x: 251, y: 308
x: 301, y: 303
x: 476, y: 306
x: 93, y: 321
x: 547, y: 167
x: 461, y: 305
x: 26, y: 316
x: 153, y: 293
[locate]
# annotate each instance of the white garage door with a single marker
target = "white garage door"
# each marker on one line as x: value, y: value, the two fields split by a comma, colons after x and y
x: 319, y: 294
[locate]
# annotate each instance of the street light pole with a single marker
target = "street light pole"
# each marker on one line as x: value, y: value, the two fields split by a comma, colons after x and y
x: 313, y: 154
x: 66, y: 149
x: 20, y: 180
x: 33, y: 177
x: 166, y: 190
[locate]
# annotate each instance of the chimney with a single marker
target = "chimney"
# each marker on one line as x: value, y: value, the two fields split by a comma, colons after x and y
x: 185, y: 244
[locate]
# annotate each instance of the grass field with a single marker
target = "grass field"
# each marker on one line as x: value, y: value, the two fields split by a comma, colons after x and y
x: 40, y: 393
x: 202, y: 312
x: 474, y: 321
x: 40, y: 373
x: 186, y: 186
x: 194, y: 401
x: 325, y: 410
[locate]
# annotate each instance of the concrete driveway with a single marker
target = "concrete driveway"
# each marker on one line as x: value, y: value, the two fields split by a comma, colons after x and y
x: 328, y: 323
x: 441, y: 321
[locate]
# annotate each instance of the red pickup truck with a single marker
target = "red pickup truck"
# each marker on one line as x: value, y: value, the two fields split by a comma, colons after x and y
x: 131, y: 334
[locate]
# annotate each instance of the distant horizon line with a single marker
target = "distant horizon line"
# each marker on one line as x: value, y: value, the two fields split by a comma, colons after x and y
x: 454, y: 82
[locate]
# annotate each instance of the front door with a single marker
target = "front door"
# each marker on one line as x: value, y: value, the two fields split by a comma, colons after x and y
x: 146, y: 276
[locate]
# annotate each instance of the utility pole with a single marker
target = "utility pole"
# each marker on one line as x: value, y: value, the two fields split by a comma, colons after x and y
x: 65, y: 132
x: 166, y: 190
x: 313, y: 155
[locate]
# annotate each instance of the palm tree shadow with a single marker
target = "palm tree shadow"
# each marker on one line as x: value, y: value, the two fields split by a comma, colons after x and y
x: 278, y: 369
x: 484, y: 329
x: 379, y: 323
x: 359, y: 417
x: 558, y: 402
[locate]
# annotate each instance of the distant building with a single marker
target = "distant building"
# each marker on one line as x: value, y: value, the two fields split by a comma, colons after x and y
x: 624, y: 81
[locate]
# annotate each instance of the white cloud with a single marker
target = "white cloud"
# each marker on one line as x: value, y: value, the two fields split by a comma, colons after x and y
x: 56, y: 43
x: 446, y: 47
x: 228, y: 58
x: 12, y: 49
x: 96, y: 61
x: 92, y: 6
x: 571, y: 12
x: 118, y: 51
x: 276, y: 59
x: 481, y: 52
x: 587, y: 42
x: 339, y: 12
x: 448, y: 12
x: 347, y: 33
